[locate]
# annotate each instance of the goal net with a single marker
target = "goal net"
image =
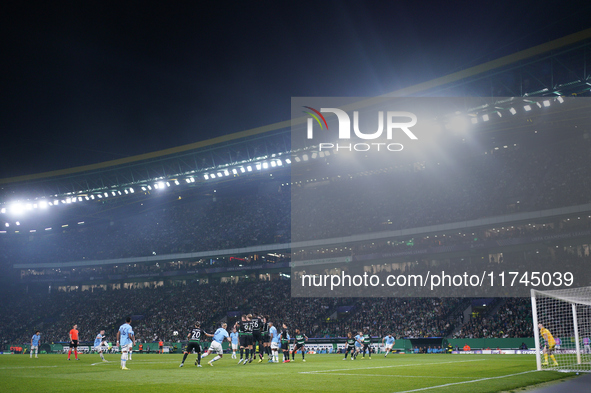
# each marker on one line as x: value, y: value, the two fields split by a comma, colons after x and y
x: 562, y: 329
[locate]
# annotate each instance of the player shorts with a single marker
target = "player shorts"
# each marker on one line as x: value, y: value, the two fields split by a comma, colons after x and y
x: 257, y: 337
x: 33, y: 347
x: 234, y: 347
x: 74, y: 344
x: 551, y: 348
x: 248, y: 340
x: 389, y: 346
x: 274, y: 345
x: 126, y: 347
x: 284, y: 345
x: 350, y: 348
x: 193, y: 346
x: 365, y: 347
x: 298, y: 347
x: 216, y: 347
x: 242, y: 340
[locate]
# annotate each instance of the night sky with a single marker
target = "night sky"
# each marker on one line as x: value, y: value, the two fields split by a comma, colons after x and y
x: 84, y: 82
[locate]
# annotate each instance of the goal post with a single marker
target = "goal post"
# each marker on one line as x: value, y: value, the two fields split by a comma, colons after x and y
x: 562, y: 329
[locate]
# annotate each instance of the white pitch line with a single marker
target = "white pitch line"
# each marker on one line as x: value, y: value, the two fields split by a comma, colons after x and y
x: 463, y: 382
x: 397, y: 376
x: 391, y: 366
x: 23, y: 367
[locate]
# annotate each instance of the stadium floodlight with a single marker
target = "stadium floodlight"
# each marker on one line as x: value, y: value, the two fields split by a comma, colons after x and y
x: 188, y: 180
x: 43, y: 204
x: 81, y: 222
x: 485, y: 118
x: 212, y: 175
x: 3, y: 210
x: 242, y: 169
x: 126, y: 192
x: 474, y: 120
x: 499, y: 113
x: 48, y: 229
x: 220, y: 174
x: 206, y: 176
x: 287, y: 161
x: 18, y: 223
x: 226, y: 172
x: 156, y: 186
x: 538, y: 104
x: 69, y: 200
x: 33, y: 230
x: 298, y: 159
x: 279, y: 162
x: 56, y: 202
x: 234, y: 171
x: 29, y: 206
x: 527, y: 108
x: 512, y: 111
x: 258, y: 166
x: 92, y: 197
x: 74, y: 200
x: 265, y: 165
x: 321, y: 154
x: 114, y: 193
x: 87, y: 198
x: 564, y: 315
x: 149, y: 187
x: 249, y: 168
x: 273, y: 164
x: 546, y: 103
x: 161, y: 184
x: 314, y: 155
x: 35, y: 206
x: 560, y: 99
x: 167, y: 184
x: 176, y: 182
x: 131, y: 190
x: 305, y: 157
x: 7, y: 225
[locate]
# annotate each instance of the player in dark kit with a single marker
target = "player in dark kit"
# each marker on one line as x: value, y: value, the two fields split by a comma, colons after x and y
x: 195, y: 337
x: 245, y: 334
x: 265, y: 348
x: 300, y: 341
x: 257, y: 338
x: 285, y: 343
x: 350, y: 349
x: 366, y: 343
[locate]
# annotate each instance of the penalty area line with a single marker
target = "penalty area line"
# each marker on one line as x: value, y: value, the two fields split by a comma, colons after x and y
x: 397, y: 376
x: 464, y: 382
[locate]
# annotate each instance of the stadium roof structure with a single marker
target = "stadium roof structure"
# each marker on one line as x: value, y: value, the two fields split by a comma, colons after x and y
x: 555, y: 69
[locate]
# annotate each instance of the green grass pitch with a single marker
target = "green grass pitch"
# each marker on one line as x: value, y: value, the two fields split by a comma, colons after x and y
x: 320, y: 373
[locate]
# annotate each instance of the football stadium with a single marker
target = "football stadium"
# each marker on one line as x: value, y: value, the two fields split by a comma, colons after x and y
x: 448, y: 255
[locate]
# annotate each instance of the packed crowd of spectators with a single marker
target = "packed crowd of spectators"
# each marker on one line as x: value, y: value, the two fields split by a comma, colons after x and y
x: 158, y: 312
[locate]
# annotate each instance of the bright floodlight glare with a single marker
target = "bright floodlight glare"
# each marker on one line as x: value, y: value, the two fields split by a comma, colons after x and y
x: 56, y: 202
x: 288, y: 161
x: 18, y: 223
x: 131, y: 190
x: 188, y: 180
x: 226, y: 173
x: 485, y: 118
x: 161, y: 184
x: 546, y: 103
x: 459, y: 124
x: 242, y: 169
x: 3, y: 210
x: 273, y: 164
x: 7, y: 225
x: 212, y: 175
x: 500, y: 114
x: 42, y: 205
x: 220, y: 174
x: 258, y: 166
x: 538, y: 104
x: 167, y: 184
x: 126, y: 192
x: 113, y: 192
x: 265, y: 165
x: 527, y: 108
x: 234, y: 171
x: 206, y: 176
x: 88, y: 199
x: 279, y: 162
x: 69, y: 200
x: 512, y: 111
x: 305, y: 157
x: 99, y: 196
x: 249, y: 168
x: 176, y: 182
x: 92, y: 197
x: 560, y: 99
x: 149, y: 187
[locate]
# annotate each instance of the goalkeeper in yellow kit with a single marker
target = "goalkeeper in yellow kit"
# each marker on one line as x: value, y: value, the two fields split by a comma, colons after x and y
x: 549, y: 345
